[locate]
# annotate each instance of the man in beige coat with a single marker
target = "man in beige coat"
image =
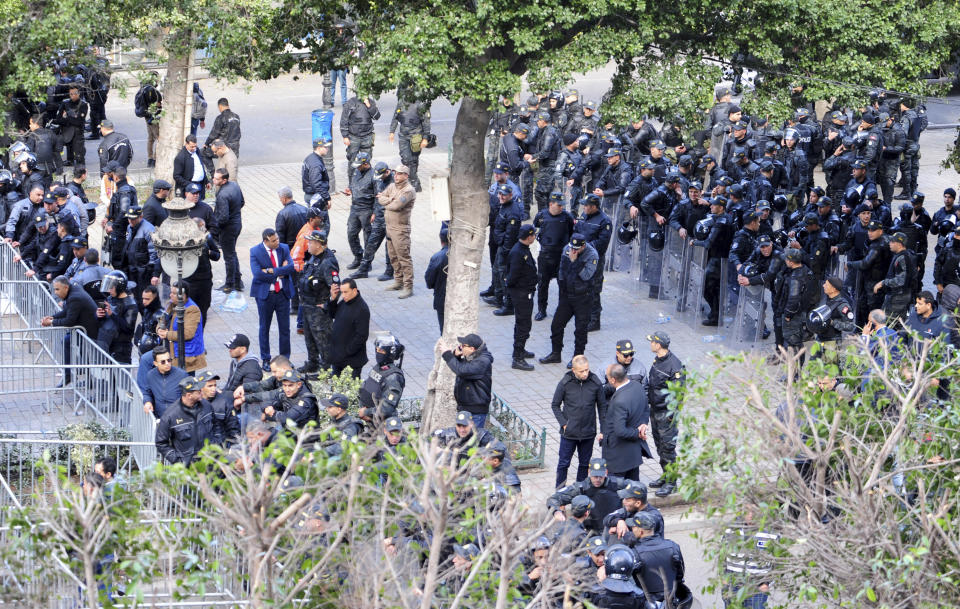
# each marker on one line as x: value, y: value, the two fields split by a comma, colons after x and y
x: 224, y: 158
x: 397, y: 200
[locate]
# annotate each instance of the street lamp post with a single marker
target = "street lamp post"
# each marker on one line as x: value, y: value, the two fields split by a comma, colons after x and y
x: 179, y: 242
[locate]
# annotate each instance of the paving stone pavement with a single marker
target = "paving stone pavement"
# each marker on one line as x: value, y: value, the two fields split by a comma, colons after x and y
x: 627, y: 312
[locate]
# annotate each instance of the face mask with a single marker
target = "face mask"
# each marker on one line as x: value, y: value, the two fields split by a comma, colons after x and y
x: 383, y: 359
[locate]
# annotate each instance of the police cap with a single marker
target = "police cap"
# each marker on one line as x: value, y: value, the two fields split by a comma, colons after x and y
x: 291, y: 376
x: 468, y: 551
x: 501, y: 168
x: 207, y: 375
x: 526, y: 230
x: 464, y: 417
x: 634, y: 490
x: 580, y: 505
x: 361, y: 158
x: 750, y: 216
x: 521, y: 128
x: 645, y: 163
x: 505, y: 190
x: 763, y: 205
x: 544, y: 116
x: 589, y: 105
x: 695, y: 184
x: 685, y: 160
x: 393, y: 424
x: 740, y: 126
x: 188, y: 384
x: 78, y: 243
x: 612, y: 153
x: 706, y: 160
x: 557, y: 197
x: 794, y: 255
x: 899, y: 237
x: 719, y: 200
x: 658, y: 144
x: 643, y: 520
x: 764, y: 240
x: 625, y: 347
x: 591, y: 199
x: 134, y: 211
x: 318, y: 236
x: 577, y: 241
x: 337, y: 400
x: 661, y: 338
x: 725, y: 180
x: 858, y: 164
x: 496, y: 450
x: 875, y: 225
x: 596, y: 545
x: 811, y: 218
x: 598, y: 466
x: 61, y: 193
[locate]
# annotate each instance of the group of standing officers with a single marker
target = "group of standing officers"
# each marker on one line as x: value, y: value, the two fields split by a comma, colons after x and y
x: 740, y: 188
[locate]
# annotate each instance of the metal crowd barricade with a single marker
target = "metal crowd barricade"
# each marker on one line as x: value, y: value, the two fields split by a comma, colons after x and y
x: 19, y: 459
x: 674, y: 269
x: 26, y: 302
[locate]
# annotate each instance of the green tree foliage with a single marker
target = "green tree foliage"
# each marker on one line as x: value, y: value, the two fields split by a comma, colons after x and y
x: 857, y: 482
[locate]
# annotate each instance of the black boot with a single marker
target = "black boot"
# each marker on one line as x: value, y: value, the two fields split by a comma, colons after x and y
x: 362, y: 272
x: 357, y: 261
x: 503, y: 311
x: 493, y: 301
x: 527, y: 354
x: 594, y: 326
x: 552, y: 358
x: 488, y: 292
x: 540, y: 316
x: 657, y: 483
x: 521, y: 364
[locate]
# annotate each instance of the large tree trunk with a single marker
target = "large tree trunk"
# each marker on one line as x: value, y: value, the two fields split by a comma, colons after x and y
x: 467, y: 246
x: 174, y: 122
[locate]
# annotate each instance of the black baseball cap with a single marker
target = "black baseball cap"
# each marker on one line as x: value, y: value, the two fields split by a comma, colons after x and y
x: 526, y: 230
x: 188, y: 384
x: 659, y: 337
x: 625, y: 346
x: 470, y: 340
x: 192, y: 188
x: 577, y: 241
x: 237, y: 340
x: 337, y: 400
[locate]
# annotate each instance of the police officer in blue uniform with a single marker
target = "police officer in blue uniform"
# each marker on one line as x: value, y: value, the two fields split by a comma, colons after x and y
x: 505, y: 231
x: 579, y: 265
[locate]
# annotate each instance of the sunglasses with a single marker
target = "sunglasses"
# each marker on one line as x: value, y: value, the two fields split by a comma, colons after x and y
x: 164, y: 361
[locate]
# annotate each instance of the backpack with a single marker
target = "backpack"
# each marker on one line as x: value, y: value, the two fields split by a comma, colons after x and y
x: 140, y: 103
x: 922, y: 118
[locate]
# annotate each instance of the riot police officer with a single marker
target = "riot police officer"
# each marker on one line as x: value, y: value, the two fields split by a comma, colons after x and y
x: 413, y: 119
x: 567, y: 165
x: 894, y: 143
x: 613, y: 181
x: 899, y: 282
x: 294, y: 404
x: 596, y: 228
x: 505, y: 232
x: 872, y: 268
x: 521, y: 282
x: 837, y: 167
x: 140, y: 258
x: 546, y: 155
x: 796, y: 165
x: 869, y: 142
x: 816, y: 245
x: 362, y: 192
x: 577, y: 282
x: 618, y: 590
x: 643, y: 183
x: 118, y: 317
x: 115, y: 223
x: 717, y: 243
x: 658, y: 206
x: 381, y: 391
x: 912, y: 126
x: 795, y: 293
x: 659, y: 561
x: 666, y: 368
x: 554, y: 226
x: 835, y: 317
x: 319, y: 274
x: 378, y: 228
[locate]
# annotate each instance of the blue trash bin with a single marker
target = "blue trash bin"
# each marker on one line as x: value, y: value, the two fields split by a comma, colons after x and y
x: 321, y: 123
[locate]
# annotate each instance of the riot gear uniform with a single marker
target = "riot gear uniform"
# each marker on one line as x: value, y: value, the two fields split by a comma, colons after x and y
x: 319, y: 274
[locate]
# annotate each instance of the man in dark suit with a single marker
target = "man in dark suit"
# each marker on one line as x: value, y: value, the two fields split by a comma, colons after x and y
x: 626, y: 426
x: 79, y: 309
x: 272, y: 287
x: 351, y: 327
x: 188, y: 167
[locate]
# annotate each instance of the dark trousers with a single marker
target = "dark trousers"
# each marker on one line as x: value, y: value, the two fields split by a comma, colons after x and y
x: 630, y: 474
x: 492, y: 248
x: 378, y: 230
x: 544, y: 186
x: 276, y: 303
x: 711, y: 287
x: 577, y: 307
x: 411, y: 159
x: 440, y: 319
x: 98, y: 112
x: 201, y: 293
x: 76, y: 153
x: 336, y: 369
x: 358, y: 219
x: 357, y: 145
x: 317, y: 326
x: 479, y: 420
x: 67, y: 370
x: 584, y: 450
x: 499, y: 277
x: 522, y: 319
x: 231, y: 264
x: 548, y: 264
x: 664, y: 429
x: 595, y: 305
x: 910, y: 167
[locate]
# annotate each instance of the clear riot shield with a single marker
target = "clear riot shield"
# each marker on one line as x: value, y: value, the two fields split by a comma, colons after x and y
x: 693, y: 286
x: 675, y: 262
x: 747, y: 328
x: 621, y: 255
x: 729, y: 293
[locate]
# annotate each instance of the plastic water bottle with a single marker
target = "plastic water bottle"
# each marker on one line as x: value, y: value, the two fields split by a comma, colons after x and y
x: 712, y: 338
x: 662, y: 319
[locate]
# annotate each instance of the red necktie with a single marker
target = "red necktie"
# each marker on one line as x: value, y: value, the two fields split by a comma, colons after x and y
x: 273, y: 260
